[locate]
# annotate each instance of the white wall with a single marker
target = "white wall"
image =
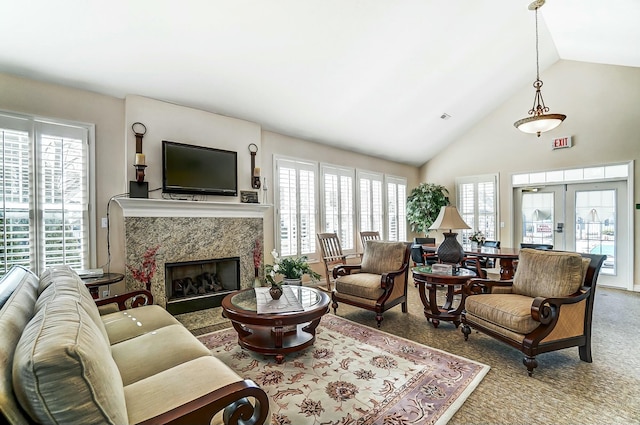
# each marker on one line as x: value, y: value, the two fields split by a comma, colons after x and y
x: 167, y: 121
x: 602, y: 104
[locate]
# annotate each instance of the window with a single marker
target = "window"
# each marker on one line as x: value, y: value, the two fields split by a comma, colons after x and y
x: 477, y: 203
x: 296, y: 206
x: 338, y: 204
x: 44, y: 205
x: 371, y: 205
x: 396, y: 209
x: 380, y: 205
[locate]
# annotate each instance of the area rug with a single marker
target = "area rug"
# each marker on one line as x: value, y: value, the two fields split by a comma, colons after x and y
x: 355, y: 375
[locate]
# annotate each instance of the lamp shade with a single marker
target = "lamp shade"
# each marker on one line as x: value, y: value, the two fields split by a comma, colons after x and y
x: 539, y: 123
x: 449, y: 219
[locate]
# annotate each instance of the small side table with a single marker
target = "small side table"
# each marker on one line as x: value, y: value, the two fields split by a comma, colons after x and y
x: 426, y: 280
x: 94, y: 283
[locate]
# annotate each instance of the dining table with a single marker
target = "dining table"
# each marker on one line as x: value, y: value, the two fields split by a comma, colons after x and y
x: 506, y: 256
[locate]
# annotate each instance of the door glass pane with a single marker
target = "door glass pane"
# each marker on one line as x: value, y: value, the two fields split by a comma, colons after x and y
x: 596, y: 225
x: 537, y: 218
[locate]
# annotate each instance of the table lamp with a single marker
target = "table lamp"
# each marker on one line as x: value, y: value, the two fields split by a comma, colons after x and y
x: 450, y: 250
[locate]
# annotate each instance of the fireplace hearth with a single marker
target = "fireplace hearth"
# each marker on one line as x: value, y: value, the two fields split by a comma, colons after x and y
x: 198, y: 285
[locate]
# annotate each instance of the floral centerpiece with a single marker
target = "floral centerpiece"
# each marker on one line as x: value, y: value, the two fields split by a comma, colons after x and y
x: 290, y: 268
x: 144, y: 273
x: 478, y: 237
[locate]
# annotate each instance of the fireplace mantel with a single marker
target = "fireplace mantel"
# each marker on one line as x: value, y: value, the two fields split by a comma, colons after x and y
x: 143, y: 207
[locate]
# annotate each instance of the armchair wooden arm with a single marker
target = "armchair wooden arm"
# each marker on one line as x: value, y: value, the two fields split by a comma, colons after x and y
x: 345, y: 269
x: 483, y: 286
x: 132, y: 299
x: 545, y: 310
x: 233, y: 398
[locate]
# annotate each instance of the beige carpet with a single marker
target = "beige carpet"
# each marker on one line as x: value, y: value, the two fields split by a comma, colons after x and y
x: 355, y: 375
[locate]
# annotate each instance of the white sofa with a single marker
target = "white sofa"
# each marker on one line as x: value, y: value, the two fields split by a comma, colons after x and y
x: 66, y: 360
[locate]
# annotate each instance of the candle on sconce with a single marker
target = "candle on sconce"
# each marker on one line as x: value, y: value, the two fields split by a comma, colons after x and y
x: 256, y: 172
x: 140, y: 159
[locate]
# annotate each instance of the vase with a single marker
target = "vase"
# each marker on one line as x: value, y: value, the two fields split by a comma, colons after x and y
x: 287, y: 281
x: 257, y: 283
x: 275, y: 292
x: 474, y: 245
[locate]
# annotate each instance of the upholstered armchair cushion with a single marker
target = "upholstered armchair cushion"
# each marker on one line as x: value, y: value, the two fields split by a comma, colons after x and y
x: 382, y: 257
x: 360, y: 285
x: 548, y: 274
x: 509, y: 311
x: 62, y: 351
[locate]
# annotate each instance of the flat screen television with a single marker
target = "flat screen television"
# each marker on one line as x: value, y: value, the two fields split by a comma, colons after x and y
x: 198, y: 170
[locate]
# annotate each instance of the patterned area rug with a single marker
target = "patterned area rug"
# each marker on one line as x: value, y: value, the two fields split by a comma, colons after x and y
x: 355, y: 375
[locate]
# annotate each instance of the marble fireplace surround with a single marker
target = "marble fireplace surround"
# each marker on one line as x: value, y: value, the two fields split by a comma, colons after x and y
x: 190, y: 231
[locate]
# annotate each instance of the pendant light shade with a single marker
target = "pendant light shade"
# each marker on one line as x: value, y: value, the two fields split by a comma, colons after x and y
x: 539, y: 120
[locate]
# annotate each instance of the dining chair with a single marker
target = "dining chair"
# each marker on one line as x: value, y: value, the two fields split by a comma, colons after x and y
x: 332, y: 255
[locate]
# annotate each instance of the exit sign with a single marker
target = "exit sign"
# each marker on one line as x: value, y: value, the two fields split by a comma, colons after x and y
x: 561, y: 142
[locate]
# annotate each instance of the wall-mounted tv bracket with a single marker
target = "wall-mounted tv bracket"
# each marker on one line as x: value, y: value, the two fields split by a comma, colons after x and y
x: 255, y: 172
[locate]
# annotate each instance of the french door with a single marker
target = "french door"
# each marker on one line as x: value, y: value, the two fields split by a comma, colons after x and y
x: 586, y: 218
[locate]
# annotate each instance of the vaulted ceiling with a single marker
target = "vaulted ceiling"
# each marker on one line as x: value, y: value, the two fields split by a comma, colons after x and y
x: 371, y: 76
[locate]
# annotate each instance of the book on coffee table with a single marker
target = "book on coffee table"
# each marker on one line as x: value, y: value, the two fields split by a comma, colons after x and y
x: 287, y: 303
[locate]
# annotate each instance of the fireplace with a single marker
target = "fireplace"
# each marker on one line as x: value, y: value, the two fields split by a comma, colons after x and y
x: 198, y: 285
x: 191, y: 232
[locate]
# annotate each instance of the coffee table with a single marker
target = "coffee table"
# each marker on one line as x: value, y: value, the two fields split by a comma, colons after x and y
x: 426, y: 280
x: 276, y: 334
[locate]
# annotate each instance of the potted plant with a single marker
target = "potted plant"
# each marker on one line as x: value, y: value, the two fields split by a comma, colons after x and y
x: 291, y: 268
x: 423, y: 205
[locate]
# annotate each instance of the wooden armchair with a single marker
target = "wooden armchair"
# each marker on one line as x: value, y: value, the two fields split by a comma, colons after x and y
x: 332, y: 255
x: 546, y: 307
x: 369, y: 236
x: 378, y: 283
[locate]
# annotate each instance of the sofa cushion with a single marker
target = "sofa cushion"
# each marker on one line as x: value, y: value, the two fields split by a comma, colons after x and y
x: 383, y: 257
x: 61, y: 281
x: 548, y: 273
x: 14, y: 316
x: 62, y: 352
x: 360, y: 285
x: 153, y: 352
x: 127, y: 324
x: 509, y: 311
x: 176, y: 386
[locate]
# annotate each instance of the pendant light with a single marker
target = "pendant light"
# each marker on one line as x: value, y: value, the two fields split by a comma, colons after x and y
x: 539, y: 120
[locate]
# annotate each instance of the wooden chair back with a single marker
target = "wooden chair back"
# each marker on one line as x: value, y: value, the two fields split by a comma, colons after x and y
x: 331, y: 254
x: 369, y: 236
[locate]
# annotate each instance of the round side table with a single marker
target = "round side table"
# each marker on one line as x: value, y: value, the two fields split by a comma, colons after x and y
x: 428, y: 283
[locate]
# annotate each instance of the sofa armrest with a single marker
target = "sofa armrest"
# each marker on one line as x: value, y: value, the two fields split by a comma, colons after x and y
x: 233, y: 398
x: 136, y: 298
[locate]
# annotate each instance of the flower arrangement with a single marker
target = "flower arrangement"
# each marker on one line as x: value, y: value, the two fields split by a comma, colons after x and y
x: 478, y: 237
x: 289, y: 267
x: 145, y: 272
x: 257, y: 256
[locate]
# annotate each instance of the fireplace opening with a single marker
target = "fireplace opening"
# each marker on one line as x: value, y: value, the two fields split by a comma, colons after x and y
x: 198, y: 285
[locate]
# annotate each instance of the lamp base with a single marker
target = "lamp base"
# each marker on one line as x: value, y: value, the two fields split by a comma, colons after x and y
x: 450, y: 250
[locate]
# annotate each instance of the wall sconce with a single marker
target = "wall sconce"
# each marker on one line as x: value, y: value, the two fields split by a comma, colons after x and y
x: 255, y: 172
x: 139, y: 188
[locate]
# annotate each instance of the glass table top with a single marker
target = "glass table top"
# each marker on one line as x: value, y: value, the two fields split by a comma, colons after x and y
x: 246, y: 300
